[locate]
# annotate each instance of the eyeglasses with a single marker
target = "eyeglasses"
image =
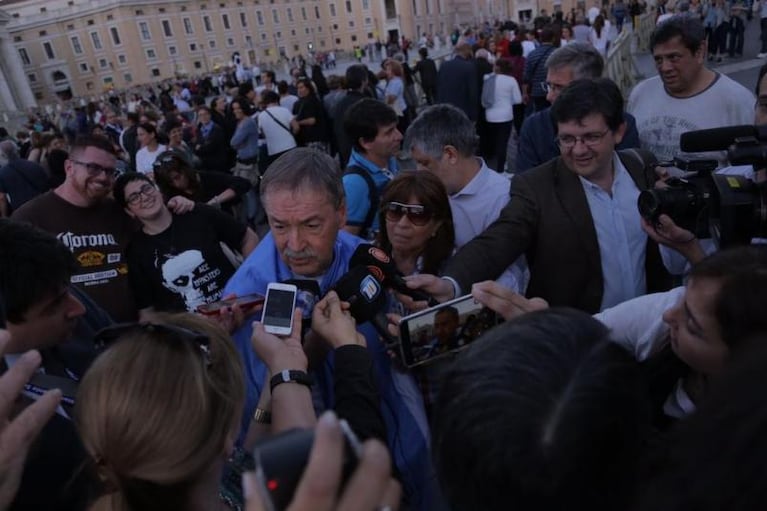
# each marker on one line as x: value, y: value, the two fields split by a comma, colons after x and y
x: 549, y: 87
x: 94, y: 169
x: 106, y: 337
x: 589, y: 139
x: 416, y: 213
x: 145, y: 190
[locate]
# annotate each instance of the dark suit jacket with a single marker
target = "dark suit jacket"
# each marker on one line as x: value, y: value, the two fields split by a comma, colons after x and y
x: 457, y: 85
x: 213, y: 150
x: 548, y: 219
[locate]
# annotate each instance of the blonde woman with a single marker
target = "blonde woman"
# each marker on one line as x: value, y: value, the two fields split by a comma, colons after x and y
x: 158, y: 413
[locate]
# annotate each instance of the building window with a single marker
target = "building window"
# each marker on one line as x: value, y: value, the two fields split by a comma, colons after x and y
x: 151, y: 54
x: 348, y: 6
x: 249, y: 41
x: 212, y: 44
x: 192, y: 46
x: 107, y: 80
x: 143, y: 27
x: 293, y: 32
x: 197, y: 64
x: 351, y: 24
x: 354, y: 38
x: 243, y: 20
x: 109, y: 16
x: 96, y: 40
x: 155, y: 72
x: 43, y: 33
x: 263, y: 36
x: 70, y: 27
x: 290, y: 15
x: 368, y: 21
x: 32, y: 77
x: 306, y: 30
x: 229, y: 42
x: 365, y: 5
x: 316, y: 12
x: 278, y: 35
x: 172, y: 51
x: 161, y: 9
x: 103, y: 63
x: 333, y: 10
x: 225, y: 20
x: 139, y: 12
x: 83, y: 67
x: 48, y: 48
x: 276, y: 16
x: 17, y: 39
x: 76, y: 46
x: 166, y: 28
x: 115, y: 36
x: 121, y: 59
x: 128, y: 78
x: 260, y: 18
x: 303, y: 13
x: 188, y: 29
x: 208, y: 25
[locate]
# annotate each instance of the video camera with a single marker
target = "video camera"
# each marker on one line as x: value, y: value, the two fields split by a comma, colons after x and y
x: 730, y: 209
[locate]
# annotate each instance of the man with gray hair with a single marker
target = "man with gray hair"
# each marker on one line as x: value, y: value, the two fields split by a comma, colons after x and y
x: 20, y: 180
x: 537, y: 138
x: 442, y: 141
x: 303, y: 196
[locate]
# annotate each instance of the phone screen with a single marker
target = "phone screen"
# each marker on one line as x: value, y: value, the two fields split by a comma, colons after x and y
x: 444, y: 329
x: 278, y: 310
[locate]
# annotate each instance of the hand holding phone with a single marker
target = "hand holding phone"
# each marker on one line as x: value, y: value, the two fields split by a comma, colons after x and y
x: 334, y: 324
x: 279, y: 353
x: 279, y: 308
x: 244, y: 302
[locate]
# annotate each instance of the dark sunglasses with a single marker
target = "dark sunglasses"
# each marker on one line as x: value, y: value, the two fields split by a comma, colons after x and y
x: 169, y: 333
x: 166, y: 160
x: 417, y: 214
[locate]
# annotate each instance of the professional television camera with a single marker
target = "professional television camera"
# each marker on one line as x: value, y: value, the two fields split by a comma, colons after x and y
x: 731, y: 209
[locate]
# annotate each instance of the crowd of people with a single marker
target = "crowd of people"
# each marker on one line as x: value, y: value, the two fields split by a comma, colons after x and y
x: 628, y: 349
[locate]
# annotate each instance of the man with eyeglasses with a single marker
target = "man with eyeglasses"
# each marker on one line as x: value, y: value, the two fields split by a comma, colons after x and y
x: 537, y: 143
x: 83, y: 217
x: 575, y: 217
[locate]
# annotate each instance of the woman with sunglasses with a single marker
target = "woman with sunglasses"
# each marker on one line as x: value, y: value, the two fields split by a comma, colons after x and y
x: 164, y: 439
x: 417, y: 230
x: 174, y: 176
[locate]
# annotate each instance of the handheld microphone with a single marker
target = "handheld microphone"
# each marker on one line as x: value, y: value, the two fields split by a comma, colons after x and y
x: 382, y: 267
x: 366, y: 298
x: 718, y: 139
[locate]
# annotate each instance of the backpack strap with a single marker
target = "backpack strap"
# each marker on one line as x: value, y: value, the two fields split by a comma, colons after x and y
x: 644, y: 162
x: 373, y: 197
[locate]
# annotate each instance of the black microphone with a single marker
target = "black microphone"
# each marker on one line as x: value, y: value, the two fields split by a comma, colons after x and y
x: 382, y: 267
x: 308, y: 295
x: 718, y: 139
x: 366, y: 298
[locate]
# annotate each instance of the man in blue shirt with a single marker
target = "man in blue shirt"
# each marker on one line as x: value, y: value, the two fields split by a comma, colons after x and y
x: 372, y: 128
x: 537, y: 139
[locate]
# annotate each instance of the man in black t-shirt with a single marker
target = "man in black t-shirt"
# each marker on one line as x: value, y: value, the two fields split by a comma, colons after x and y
x: 176, y: 263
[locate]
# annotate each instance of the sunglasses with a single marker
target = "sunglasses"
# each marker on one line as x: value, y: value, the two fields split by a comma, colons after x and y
x: 417, y: 214
x: 165, y: 160
x: 168, y: 333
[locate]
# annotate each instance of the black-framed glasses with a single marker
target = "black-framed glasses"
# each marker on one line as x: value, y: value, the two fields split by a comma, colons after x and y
x: 106, y: 337
x: 94, y: 169
x: 419, y: 215
x: 145, y: 190
x: 589, y: 139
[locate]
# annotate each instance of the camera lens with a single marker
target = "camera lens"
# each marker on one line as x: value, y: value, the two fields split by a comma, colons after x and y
x: 649, y: 205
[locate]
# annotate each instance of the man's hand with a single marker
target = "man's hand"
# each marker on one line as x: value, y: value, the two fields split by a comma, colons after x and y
x: 180, y: 205
x: 231, y: 318
x: 280, y: 353
x: 334, y: 324
x: 667, y: 233
x: 16, y: 435
x: 441, y: 289
x: 371, y: 486
x: 504, y: 301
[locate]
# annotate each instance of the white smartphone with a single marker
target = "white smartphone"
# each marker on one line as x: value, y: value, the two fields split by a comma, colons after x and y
x: 278, y: 308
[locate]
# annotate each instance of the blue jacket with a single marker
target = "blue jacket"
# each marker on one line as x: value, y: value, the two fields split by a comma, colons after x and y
x: 537, y: 145
x: 402, y: 407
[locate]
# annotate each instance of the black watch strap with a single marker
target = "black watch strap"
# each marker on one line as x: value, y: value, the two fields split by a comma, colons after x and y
x: 290, y: 376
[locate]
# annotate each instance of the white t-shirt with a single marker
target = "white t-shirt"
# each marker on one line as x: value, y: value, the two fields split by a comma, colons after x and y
x: 661, y: 119
x: 527, y: 47
x: 507, y: 93
x: 145, y: 159
x: 278, y: 139
x: 638, y: 326
x: 288, y: 102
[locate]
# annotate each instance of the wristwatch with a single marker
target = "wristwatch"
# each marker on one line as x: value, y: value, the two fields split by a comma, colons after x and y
x: 261, y: 416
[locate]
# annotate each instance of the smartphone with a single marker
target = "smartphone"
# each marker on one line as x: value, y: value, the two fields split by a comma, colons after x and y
x: 246, y: 301
x: 278, y: 308
x: 439, y: 331
x: 280, y: 461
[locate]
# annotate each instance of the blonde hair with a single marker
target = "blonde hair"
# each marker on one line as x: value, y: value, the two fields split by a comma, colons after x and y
x: 156, y: 412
